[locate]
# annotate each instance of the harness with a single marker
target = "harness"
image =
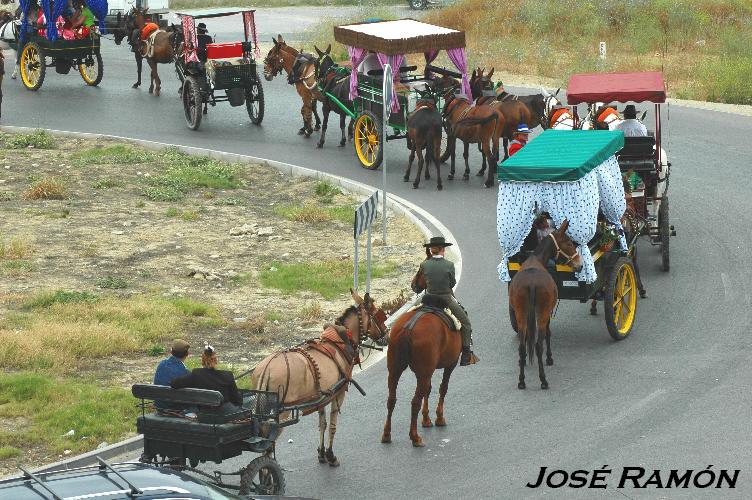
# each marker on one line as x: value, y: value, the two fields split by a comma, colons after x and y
x: 558, y: 116
x: 561, y: 252
x: 606, y: 114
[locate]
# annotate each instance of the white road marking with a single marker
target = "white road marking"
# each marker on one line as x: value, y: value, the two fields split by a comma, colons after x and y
x: 638, y: 406
x: 726, y: 286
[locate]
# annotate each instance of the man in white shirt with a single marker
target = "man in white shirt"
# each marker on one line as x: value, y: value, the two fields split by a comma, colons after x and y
x: 631, y: 126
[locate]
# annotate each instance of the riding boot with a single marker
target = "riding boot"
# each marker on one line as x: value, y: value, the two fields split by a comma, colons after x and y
x: 468, y: 357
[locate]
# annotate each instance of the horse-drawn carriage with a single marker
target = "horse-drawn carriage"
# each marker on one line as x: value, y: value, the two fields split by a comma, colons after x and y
x: 388, y: 42
x: 229, y: 67
x: 46, y: 42
x: 643, y: 159
x: 573, y: 175
x: 174, y: 440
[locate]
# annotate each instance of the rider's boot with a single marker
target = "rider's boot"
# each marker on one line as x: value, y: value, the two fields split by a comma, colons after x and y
x: 468, y: 357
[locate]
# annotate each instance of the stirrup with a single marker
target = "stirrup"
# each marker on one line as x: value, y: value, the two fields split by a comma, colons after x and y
x: 468, y: 358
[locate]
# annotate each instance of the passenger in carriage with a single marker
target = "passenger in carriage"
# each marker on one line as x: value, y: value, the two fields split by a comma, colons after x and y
x: 203, y: 39
x: 83, y: 20
x: 171, y: 368
x: 208, y: 377
x: 370, y: 63
x: 631, y: 126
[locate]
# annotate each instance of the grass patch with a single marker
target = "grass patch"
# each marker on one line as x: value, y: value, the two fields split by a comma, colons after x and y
x: 274, y: 316
x: 329, y: 278
x: 172, y: 212
x: 311, y: 214
x: 47, y: 188
x: 182, y: 174
x: 311, y: 312
x: 54, y: 406
x: 39, y: 139
x: 7, y: 195
x: 63, y: 331
x: 48, y: 299
x: 241, y: 279
x: 202, y: 4
x: 108, y: 183
x: 118, y: 154
x: 326, y: 192
x: 190, y: 215
x: 112, y: 282
x: 156, y: 350
x: 7, y: 452
x: 16, y: 267
x: 15, y: 249
x: 702, y: 46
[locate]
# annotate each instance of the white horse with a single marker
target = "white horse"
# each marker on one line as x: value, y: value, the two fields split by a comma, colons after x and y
x: 9, y: 30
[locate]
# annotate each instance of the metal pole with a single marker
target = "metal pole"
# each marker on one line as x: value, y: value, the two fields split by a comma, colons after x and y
x: 368, y: 258
x: 387, y: 101
x: 355, y: 276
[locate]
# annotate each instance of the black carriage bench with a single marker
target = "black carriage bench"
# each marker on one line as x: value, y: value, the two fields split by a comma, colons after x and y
x: 638, y: 154
x: 213, y: 435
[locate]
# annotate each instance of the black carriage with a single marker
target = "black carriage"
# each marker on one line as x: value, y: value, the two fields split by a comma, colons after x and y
x: 392, y: 40
x: 219, y: 72
x: 642, y: 158
x: 191, y: 428
x: 53, y: 51
x: 573, y: 175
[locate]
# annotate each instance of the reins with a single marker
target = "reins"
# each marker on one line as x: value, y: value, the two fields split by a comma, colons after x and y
x: 561, y: 252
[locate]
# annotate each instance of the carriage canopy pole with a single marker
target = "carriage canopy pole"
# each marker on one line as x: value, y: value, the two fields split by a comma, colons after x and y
x: 387, y: 104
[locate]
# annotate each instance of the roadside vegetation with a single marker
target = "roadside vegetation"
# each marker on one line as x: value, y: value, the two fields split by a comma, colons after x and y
x: 702, y: 46
x: 205, y: 4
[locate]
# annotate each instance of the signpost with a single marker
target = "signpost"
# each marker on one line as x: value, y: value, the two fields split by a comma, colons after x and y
x: 387, y: 100
x: 365, y: 214
x: 602, y: 50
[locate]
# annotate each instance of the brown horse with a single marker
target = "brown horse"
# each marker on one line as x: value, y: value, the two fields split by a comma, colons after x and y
x: 533, y: 296
x: 425, y: 346
x: 162, y: 51
x: 424, y: 132
x: 473, y: 124
x: 315, y: 374
x: 282, y: 57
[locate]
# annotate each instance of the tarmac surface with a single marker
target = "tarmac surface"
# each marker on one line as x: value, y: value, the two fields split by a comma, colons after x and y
x: 674, y: 395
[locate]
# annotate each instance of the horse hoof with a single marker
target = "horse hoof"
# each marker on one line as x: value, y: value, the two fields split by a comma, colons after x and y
x: 135, y: 85
x: 593, y: 311
x: 322, y: 458
x: 415, y: 186
x: 479, y: 174
x: 643, y: 294
x: 450, y: 177
x: 301, y: 131
x: 521, y: 385
x: 320, y: 145
x: 427, y: 423
x: 342, y: 144
x: 439, y: 187
x: 489, y: 184
x: 544, y: 385
x: 550, y: 362
x: 406, y: 179
x: 386, y: 438
x: 317, y: 128
x: 151, y: 91
x: 440, y: 422
x: 418, y: 443
x: 156, y: 93
x: 334, y: 463
x: 465, y: 177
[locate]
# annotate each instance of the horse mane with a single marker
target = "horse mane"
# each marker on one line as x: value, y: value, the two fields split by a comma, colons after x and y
x: 350, y: 310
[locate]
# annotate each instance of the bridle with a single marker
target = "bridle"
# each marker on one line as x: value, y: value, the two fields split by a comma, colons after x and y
x: 561, y: 252
x: 371, y: 319
x: 548, y: 106
x: 269, y: 62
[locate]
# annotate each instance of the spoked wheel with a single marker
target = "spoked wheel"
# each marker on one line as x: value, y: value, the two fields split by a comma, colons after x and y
x: 32, y: 66
x: 254, y: 102
x: 92, y: 69
x: 664, y: 229
x: 418, y: 4
x: 262, y: 476
x: 368, y: 140
x: 192, y: 103
x: 620, y: 301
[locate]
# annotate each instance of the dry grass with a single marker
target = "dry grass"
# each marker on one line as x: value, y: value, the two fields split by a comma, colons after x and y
x: 702, y: 46
x: 48, y: 188
x: 391, y: 306
x: 15, y: 249
x: 311, y: 312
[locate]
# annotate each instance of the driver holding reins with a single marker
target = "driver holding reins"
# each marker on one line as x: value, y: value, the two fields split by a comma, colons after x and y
x: 438, y: 272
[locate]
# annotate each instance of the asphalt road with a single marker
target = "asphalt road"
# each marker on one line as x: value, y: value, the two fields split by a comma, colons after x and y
x: 674, y: 395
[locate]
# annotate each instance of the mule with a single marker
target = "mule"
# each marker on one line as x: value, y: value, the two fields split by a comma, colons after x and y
x: 425, y: 346
x: 282, y: 57
x: 162, y: 51
x: 533, y: 296
x: 424, y: 132
x: 332, y: 84
x: 316, y: 372
x: 473, y: 124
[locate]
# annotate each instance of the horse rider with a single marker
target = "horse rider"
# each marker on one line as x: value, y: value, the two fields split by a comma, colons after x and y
x: 519, y: 139
x: 631, y: 126
x: 438, y: 272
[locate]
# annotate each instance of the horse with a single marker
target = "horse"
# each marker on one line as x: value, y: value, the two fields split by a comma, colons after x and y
x: 425, y: 345
x: 161, y: 51
x: 9, y: 29
x: 331, y: 84
x: 473, y: 124
x: 533, y: 296
x: 282, y: 57
x: 317, y: 371
x: 424, y: 132
x: 532, y: 110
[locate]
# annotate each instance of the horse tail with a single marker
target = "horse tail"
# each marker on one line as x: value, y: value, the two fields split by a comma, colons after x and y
x: 531, y: 332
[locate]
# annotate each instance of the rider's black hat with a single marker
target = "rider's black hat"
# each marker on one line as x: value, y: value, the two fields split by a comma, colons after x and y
x: 437, y: 241
x: 630, y: 111
x: 201, y: 28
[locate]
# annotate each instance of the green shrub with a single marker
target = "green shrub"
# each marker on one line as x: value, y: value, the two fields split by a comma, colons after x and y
x: 118, y: 154
x: 47, y: 299
x: 38, y: 139
x: 112, y: 282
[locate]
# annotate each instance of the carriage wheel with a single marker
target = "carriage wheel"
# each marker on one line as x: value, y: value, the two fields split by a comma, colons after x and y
x: 620, y: 301
x: 32, y: 66
x: 418, y: 4
x: 92, y: 69
x: 192, y: 103
x: 664, y: 230
x: 368, y: 138
x: 254, y: 102
x: 263, y: 476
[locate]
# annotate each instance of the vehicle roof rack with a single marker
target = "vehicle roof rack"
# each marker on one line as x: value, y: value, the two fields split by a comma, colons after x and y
x: 28, y: 475
x: 135, y: 490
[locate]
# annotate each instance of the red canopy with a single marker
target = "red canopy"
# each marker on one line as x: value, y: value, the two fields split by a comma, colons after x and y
x: 619, y: 87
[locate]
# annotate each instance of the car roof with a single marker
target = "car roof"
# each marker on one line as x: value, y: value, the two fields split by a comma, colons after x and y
x: 96, y: 482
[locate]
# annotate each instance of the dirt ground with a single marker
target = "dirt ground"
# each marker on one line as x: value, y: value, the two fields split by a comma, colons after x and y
x: 213, y: 254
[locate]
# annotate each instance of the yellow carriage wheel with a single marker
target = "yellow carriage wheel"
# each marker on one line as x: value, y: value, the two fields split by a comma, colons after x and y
x: 92, y: 69
x: 368, y: 140
x: 621, y: 299
x: 32, y: 66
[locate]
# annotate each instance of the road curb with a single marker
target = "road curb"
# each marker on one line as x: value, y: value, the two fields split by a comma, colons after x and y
x: 404, y: 207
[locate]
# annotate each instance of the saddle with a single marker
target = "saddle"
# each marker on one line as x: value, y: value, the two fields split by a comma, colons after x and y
x: 147, y: 46
x: 433, y: 304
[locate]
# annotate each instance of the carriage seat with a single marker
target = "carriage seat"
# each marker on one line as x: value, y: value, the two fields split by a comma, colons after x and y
x: 207, y: 403
x: 638, y: 154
